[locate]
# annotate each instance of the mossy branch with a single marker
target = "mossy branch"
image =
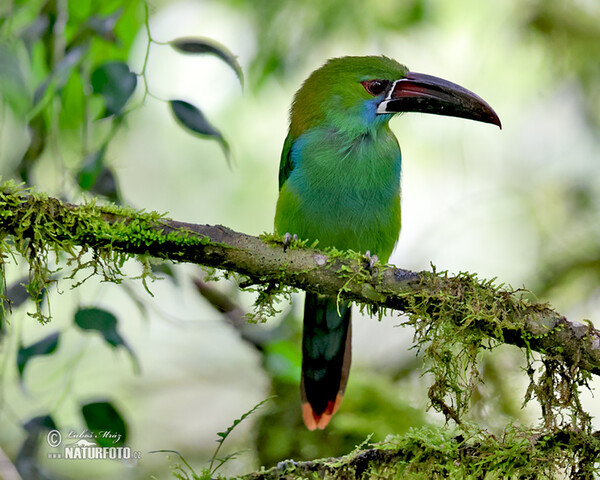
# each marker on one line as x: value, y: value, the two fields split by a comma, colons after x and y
x: 433, y: 453
x: 41, y: 224
x: 454, y: 316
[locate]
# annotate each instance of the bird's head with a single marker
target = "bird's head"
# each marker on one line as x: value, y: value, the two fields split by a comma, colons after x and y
x: 359, y: 94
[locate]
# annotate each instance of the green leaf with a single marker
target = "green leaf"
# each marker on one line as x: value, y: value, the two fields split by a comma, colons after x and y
x: 105, y: 323
x: 14, y: 73
x: 35, y: 31
x: 223, y: 435
x: 106, y: 423
x: 100, y: 321
x: 194, y: 475
x: 45, y: 346
x: 61, y: 73
x: 38, y: 133
x: 116, y: 83
x: 165, y: 268
x: 91, y: 169
x: 193, y: 119
x: 72, y: 113
x: 106, y: 185
x: 200, y: 46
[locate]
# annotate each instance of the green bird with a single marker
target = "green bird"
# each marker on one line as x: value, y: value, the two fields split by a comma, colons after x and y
x: 339, y: 183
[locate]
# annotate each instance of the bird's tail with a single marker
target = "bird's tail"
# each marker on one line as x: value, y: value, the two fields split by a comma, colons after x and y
x: 326, y: 354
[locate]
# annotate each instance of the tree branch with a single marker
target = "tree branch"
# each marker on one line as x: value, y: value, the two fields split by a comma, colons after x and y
x: 39, y: 223
x: 429, y: 453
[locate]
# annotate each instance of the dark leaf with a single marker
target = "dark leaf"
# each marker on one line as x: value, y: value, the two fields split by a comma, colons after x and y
x: 116, y: 83
x: 100, y: 321
x: 96, y: 27
x: 45, y: 346
x: 38, y: 130
x: 106, y: 423
x: 106, y: 185
x: 165, y: 268
x: 97, y: 178
x: 193, y: 119
x: 27, y: 460
x: 92, y: 166
x: 17, y: 294
x: 201, y: 46
x: 36, y: 424
x: 106, y: 324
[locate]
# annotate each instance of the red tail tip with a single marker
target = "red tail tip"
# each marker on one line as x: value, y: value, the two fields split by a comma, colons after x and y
x: 320, y: 421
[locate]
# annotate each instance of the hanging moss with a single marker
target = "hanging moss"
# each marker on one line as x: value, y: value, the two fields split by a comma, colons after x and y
x: 43, y: 228
x: 455, y: 318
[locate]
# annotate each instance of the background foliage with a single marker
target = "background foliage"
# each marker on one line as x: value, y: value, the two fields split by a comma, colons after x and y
x: 105, y: 99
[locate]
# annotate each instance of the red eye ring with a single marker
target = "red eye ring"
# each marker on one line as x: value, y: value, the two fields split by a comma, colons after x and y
x: 375, y: 87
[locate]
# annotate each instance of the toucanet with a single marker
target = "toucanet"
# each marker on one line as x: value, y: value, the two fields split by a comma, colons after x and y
x: 339, y: 183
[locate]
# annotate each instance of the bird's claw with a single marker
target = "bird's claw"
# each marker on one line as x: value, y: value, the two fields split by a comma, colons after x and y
x: 371, y: 259
x: 288, y: 238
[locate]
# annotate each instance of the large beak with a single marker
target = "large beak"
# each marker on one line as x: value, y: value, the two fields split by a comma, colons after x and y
x: 418, y: 92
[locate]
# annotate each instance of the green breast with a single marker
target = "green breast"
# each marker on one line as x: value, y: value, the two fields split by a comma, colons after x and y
x: 343, y: 192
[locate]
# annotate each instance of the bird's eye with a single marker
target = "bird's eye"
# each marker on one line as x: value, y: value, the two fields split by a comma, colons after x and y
x: 375, y: 87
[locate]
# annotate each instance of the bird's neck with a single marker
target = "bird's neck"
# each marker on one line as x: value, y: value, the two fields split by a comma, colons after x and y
x: 328, y: 152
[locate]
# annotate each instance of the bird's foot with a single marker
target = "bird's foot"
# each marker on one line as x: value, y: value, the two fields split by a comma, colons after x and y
x: 371, y: 260
x: 288, y: 238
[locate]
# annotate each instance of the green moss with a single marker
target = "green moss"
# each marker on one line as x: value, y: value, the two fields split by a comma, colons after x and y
x: 455, y: 318
x: 42, y: 228
x: 435, y: 453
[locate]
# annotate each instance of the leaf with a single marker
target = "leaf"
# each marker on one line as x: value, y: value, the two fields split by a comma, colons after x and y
x: 97, y: 178
x: 116, y: 83
x: 27, y: 460
x: 74, y: 108
x: 92, y: 166
x: 13, y: 79
x: 61, y: 73
x: 165, y: 268
x: 17, y: 294
x: 182, y: 459
x: 204, y: 46
x: 106, y: 423
x: 210, y: 47
x: 38, y: 132
x: 45, y: 346
x: 193, y: 119
x: 106, y: 185
x: 36, y: 424
x: 106, y: 324
x: 35, y: 31
x: 104, y: 26
x: 223, y: 435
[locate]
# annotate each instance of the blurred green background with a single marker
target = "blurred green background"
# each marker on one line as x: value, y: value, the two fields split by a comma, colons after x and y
x: 521, y: 205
